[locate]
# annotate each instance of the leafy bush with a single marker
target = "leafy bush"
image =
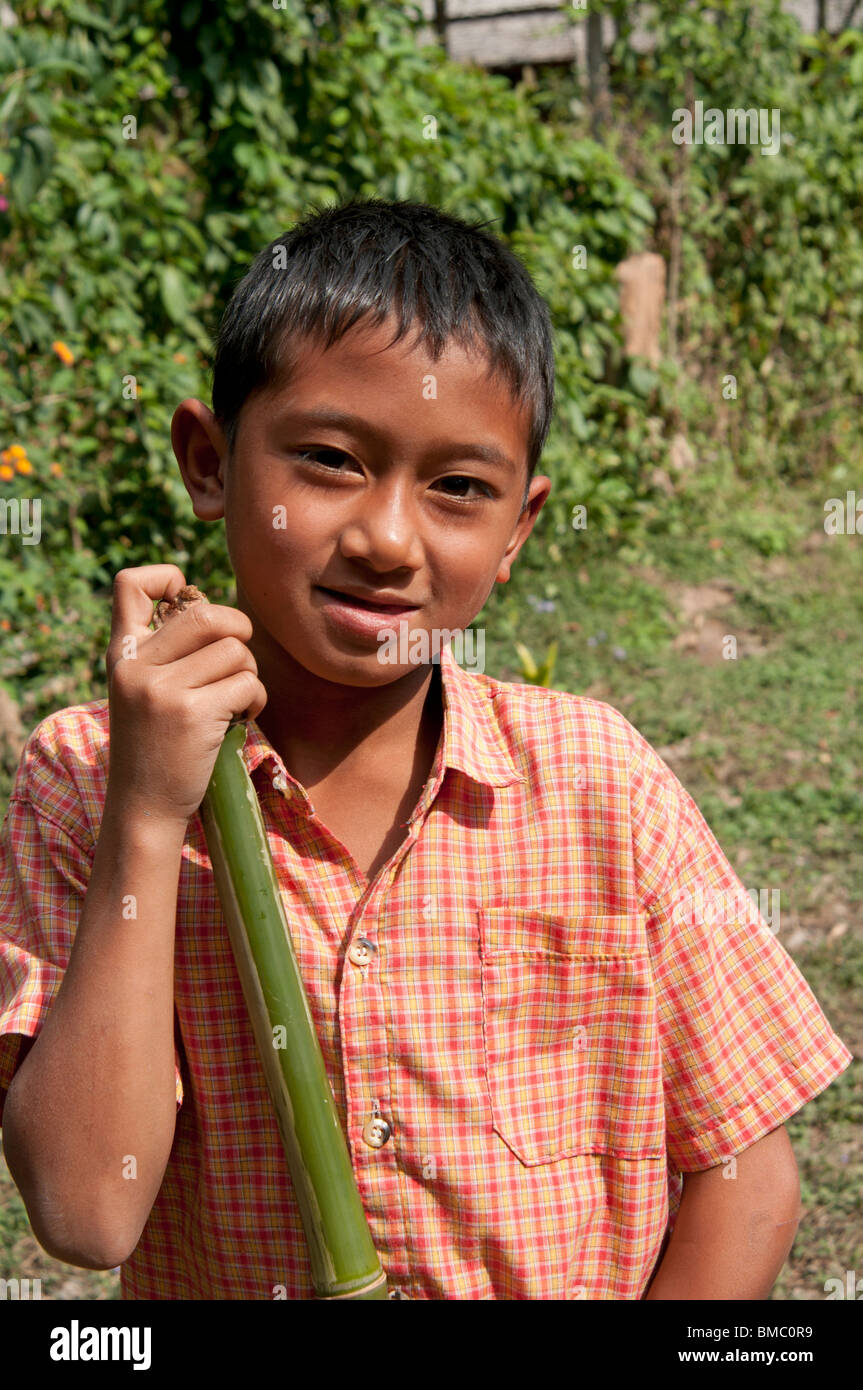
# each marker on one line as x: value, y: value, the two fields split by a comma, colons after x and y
x: 772, y: 245
x: 152, y: 150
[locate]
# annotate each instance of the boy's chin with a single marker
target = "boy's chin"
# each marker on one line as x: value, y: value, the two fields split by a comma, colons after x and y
x: 363, y: 670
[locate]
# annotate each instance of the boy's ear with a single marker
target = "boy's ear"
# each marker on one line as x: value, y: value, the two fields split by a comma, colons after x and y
x: 537, y: 496
x: 201, y: 450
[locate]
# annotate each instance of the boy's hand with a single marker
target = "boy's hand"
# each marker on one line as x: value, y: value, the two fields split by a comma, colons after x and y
x: 172, y: 693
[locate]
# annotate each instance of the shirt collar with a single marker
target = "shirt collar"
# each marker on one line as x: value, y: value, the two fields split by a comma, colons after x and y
x: 471, y: 737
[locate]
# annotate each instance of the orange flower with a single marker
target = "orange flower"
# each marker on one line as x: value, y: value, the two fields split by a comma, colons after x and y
x: 24, y: 465
x: 43, y: 627
x: 56, y: 470
x: 16, y: 452
x: 7, y: 456
x: 179, y: 357
x: 5, y: 624
x: 6, y: 472
x: 66, y: 357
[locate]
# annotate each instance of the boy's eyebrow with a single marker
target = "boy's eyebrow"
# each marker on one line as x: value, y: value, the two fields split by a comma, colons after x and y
x: 325, y: 415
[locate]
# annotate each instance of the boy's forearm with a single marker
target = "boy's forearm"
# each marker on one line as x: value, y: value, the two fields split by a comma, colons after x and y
x: 733, y: 1234
x: 90, y: 1115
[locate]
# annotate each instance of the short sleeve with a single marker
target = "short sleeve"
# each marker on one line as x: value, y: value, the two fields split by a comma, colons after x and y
x: 44, y: 872
x: 744, y: 1041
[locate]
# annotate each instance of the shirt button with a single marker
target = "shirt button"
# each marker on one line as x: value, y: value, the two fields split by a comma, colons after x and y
x: 376, y: 1132
x: 361, y: 950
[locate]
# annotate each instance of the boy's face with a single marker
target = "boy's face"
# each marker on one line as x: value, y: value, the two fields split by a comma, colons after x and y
x: 390, y: 499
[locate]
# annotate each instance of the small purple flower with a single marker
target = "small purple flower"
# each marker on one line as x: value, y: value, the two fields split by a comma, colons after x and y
x: 541, y: 605
x: 619, y: 653
x: 4, y: 204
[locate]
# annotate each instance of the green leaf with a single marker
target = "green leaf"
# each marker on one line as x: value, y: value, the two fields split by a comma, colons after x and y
x: 642, y: 379
x: 90, y: 19
x: 173, y: 293
x: 65, y: 308
x: 33, y: 326
x: 31, y: 163
x: 641, y: 204
x: 9, y: 103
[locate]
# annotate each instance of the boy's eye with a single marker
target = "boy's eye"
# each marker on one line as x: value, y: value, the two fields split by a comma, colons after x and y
x: 460, y: 478
x: 332, y: 458
x: 316, y: 454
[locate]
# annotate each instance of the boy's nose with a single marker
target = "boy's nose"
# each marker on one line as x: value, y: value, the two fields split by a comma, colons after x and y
x: 383, y: 530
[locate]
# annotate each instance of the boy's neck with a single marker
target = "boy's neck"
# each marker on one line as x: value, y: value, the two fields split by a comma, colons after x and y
x: 321, y: 729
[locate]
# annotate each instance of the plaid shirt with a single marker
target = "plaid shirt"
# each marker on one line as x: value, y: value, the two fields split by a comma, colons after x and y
x: 532, y: 993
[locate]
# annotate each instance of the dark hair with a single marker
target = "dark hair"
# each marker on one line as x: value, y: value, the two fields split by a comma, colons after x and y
x: 370, y: 257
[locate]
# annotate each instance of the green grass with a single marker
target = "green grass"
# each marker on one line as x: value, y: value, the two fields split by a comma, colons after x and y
x: 770, y: 745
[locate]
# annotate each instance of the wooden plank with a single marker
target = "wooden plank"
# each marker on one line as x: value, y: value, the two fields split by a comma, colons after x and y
x: 541, y: 35
x: 508, y: 33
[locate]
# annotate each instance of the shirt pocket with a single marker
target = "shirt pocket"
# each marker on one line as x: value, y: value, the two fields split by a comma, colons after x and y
x: 572, y: 1056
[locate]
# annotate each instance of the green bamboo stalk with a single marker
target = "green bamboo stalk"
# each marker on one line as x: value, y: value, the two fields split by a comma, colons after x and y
x: 343, y: 1258
x: 344, y: 1261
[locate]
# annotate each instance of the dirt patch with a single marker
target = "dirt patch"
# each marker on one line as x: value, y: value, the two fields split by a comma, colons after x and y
x: 705, y: 635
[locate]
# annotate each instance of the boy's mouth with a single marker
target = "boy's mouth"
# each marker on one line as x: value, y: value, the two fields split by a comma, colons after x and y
x: 388, y: 605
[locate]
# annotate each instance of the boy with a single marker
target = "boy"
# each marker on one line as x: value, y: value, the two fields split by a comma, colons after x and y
x: 541, y: 1058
